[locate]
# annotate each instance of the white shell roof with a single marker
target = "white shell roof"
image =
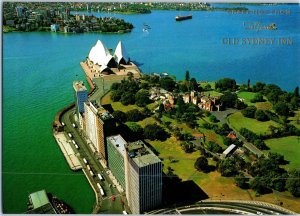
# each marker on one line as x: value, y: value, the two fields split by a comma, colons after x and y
x: 120, y: 53
x: 99, y: 54
x: 103, y: 67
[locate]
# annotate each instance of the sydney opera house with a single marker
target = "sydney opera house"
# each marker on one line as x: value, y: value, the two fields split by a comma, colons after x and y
x: 101, y: 62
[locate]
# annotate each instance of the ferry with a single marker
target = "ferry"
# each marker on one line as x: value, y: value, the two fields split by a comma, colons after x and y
x: 180, y: 18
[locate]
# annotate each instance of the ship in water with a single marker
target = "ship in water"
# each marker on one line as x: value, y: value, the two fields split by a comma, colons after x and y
x: 180, y: 18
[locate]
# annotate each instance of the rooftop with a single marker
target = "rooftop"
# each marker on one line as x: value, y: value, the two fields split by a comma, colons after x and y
x: 141, y: 154
x: 99, y: 110
x: 39, y: 198
x: 119, y: 143
x: 229, y: 149
x: 79, y: 86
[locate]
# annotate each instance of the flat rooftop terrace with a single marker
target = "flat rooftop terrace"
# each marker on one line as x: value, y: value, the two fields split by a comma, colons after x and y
x: 119, y: 143
x: 141, y: 154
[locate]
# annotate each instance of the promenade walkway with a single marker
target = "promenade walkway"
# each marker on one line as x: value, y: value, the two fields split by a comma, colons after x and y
x: 67, y: 150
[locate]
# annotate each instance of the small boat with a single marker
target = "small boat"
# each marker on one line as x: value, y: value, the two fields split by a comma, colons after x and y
x: 146, y: 27
x: 272, y: 26
x: 180, y: 18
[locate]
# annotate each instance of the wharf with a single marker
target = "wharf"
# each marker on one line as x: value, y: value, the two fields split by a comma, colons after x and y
x: 67, y: 150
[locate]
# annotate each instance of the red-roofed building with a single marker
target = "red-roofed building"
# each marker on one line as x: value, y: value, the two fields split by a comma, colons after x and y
x: 232, y: 135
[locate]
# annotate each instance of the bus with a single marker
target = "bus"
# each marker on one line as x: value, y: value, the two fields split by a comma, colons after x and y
x: 76, y: 146
x: 99, y: 186
x: 85, y: 161
x: 124, y: 212
x: 91, y: 172
x: 70, y: 135
x: 100, y: 177
x: 73, y: 141
x: 74, y: 125
x: 88, y: 167
x: 102, y: 192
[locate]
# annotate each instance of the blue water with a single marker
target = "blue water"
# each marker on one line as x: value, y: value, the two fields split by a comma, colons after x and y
x: 38, y: 70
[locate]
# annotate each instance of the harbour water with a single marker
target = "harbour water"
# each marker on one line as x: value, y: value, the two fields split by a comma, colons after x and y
x: 39, y: 68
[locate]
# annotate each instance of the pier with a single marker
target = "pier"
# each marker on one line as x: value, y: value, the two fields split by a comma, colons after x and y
x: 67, y: 150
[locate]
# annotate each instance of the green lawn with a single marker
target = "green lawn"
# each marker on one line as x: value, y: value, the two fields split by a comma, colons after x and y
x: 287, y: 146
x: 238, y: 121
x: 212, y: 93
x: 295, y: 119
x: 147, y: 121
x: 212, y: 183
x: 119, y: 106
x: 264, y: 105
x: 184, y: 162
x: 203, y: 84
x: 247, y: 96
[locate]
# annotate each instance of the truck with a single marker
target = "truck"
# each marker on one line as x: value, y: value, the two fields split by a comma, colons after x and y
x: 76, y: 146
x: 74, y: 125
x: 73, y: 141
x: 88, y: 167
x: 70, y: 135
x: 85, y: 161
x: 91, y: 172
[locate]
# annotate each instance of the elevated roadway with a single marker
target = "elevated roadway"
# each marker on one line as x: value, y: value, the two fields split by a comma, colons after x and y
x: 230, y: 206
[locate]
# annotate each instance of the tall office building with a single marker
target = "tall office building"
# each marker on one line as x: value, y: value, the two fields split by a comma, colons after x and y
x: 99, y: 123
x: 81, y: 96
x: 143, y: 178
x: 116, y: 155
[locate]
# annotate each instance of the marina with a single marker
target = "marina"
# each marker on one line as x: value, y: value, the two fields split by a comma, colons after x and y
x: 67, y: 151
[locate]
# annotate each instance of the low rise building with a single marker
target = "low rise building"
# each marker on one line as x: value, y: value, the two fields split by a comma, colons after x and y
x: 229, y: 150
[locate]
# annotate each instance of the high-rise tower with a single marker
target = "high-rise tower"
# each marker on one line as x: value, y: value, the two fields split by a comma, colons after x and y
x: 143, y: 178
x: 81, y: 96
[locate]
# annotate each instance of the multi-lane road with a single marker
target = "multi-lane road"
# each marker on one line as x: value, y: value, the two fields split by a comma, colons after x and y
x: 112, y: 196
